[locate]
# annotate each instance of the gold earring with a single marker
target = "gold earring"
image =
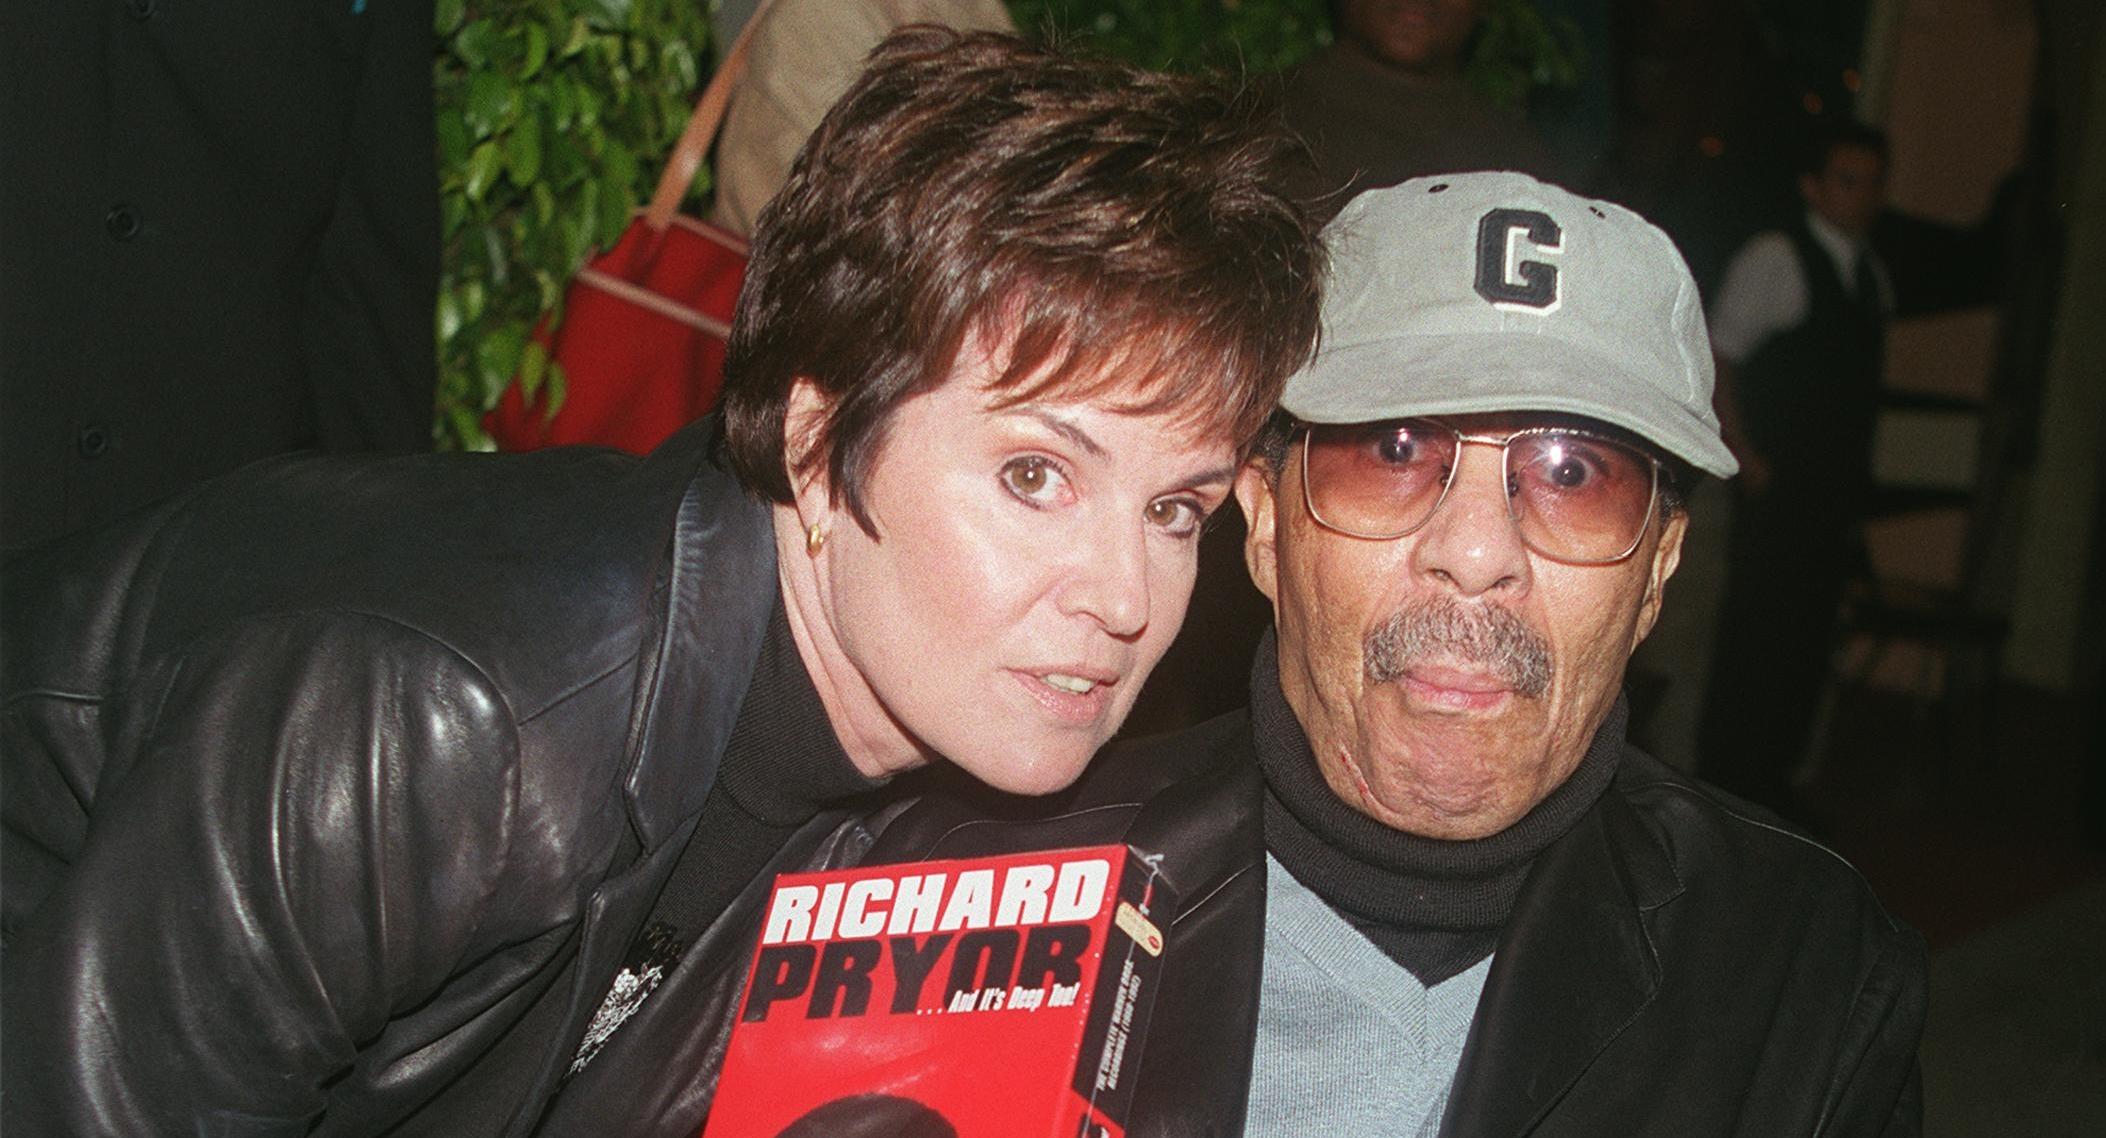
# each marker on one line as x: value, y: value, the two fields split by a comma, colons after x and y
x: 814, y: 539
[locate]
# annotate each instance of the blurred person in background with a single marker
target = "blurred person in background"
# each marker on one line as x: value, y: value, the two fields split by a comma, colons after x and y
x: 221, y: 224
x: 804, y: 53
x: 1799, y: 329
x: 1389, y: 100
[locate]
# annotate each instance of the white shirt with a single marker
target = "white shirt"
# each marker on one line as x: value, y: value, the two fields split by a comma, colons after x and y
x: 1764, y: 291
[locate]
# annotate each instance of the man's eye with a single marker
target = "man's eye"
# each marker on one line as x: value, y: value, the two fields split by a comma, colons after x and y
x: 1569, y: 474
x: 1399, y: 449
x: 1569, y: 465
x: 1179, y: 517
x: 1034, y: 479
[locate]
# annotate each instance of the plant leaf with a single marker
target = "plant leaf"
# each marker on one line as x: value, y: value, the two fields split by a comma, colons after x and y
x: 475, y: 42
x: 497, y: 359
x: 483, y: 164
x: 523, y: 152
x: 446, y: 15
x: 536, y: 52
x: 449, y: 315
x: 453, y: 137
x: 489, y: 104
x: 557, y: 387
x: 574, y: 41
x: 533, y: 365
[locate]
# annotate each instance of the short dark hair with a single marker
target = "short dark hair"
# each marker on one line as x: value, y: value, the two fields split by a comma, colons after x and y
x: 1111, y: 226
x: 1828, y: 135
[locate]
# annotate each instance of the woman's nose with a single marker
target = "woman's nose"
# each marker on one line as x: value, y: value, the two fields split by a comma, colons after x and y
x: 1109, y: 581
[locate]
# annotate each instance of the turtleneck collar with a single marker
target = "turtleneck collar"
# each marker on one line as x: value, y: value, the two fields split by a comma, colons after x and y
x: 1434, y: 906
x: 783, y: 763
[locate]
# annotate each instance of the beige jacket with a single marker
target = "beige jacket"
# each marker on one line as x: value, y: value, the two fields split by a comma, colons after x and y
x: 803, y: 56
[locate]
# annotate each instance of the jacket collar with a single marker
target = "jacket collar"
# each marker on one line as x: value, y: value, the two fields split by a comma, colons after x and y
x: 714, y: 593
x: 1575, y: 965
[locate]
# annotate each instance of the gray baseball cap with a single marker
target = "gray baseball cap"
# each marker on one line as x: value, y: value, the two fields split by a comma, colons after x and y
x: 1465, y: 293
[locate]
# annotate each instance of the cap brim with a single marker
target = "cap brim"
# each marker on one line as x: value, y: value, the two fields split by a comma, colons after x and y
x: 1470, y: 373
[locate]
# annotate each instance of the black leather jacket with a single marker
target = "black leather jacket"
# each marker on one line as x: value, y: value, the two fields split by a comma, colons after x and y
x: 336, y: 790
x: 1674, y: 966
x: 390, y: 764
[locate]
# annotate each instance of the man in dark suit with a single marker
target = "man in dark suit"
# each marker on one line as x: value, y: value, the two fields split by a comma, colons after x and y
x: 1799, y: 326
x: 221, y: 225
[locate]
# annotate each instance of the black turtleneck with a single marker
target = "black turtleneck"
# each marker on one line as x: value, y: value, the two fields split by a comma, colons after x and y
x: 781, y: 766
x: 1434, y: 906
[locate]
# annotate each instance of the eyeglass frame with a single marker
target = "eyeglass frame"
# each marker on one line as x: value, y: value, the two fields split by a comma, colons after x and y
x: 1505, y: 444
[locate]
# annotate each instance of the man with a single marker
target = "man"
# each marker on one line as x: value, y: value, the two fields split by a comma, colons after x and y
x: 1433, y: 889
x: 226, y: 245
x: 1799, y: 328
x: 1388, y: 100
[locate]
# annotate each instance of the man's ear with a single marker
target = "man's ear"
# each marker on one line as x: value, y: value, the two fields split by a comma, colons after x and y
x: 804, y: 431
x: 1255, y: 492
x: 1667, y: 556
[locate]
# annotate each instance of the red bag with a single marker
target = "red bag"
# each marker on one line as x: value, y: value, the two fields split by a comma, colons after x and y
x: 644, y: 324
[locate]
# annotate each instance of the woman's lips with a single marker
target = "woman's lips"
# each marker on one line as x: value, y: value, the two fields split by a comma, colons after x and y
x: 1075, y: 696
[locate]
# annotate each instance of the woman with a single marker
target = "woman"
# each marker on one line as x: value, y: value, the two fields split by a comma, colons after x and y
x: 348, y: 797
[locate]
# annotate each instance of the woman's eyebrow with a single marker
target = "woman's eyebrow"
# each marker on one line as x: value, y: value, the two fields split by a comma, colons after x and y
x: 1065, y: 429
x: 1081, y: 438
x: 1212, y: 476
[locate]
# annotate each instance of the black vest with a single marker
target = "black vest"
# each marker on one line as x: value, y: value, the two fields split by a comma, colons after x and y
x: 1809, y: 395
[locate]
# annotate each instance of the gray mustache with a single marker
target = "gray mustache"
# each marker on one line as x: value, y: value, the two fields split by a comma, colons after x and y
x: 1444, y: 629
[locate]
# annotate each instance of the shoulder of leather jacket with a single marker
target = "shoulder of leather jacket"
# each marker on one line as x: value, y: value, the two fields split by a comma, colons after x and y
x: 546, y: 543
x: 1732, y: 852
x: 542, y: 578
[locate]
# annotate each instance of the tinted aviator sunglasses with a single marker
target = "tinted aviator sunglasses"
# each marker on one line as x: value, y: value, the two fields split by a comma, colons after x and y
x: 1574, y: 495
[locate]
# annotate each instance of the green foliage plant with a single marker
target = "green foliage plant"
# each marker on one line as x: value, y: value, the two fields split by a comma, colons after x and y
x: 1185, y: 35
x: 1517, y: 48
x: 1519, y: 51
x: 553, y: 119
x: 555, y: 115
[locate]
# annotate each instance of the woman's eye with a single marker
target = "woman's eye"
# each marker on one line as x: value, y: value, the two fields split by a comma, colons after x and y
x: 1179, y: 517
x: 1034, y: 479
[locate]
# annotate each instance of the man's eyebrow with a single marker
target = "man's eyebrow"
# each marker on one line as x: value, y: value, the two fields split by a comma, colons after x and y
x: 1065, y: 429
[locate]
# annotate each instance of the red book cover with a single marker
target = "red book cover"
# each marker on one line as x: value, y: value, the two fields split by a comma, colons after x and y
x: 998, y: 997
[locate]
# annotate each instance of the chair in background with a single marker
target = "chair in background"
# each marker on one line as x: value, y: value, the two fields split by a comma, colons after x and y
x: 1959, y: 466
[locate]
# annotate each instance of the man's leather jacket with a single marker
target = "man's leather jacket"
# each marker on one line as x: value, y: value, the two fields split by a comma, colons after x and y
x: 336, y: 791
x: 1674, y: 966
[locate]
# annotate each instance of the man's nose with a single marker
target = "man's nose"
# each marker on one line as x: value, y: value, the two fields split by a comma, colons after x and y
x: 1108, y: 581
x: 1472, y: 542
